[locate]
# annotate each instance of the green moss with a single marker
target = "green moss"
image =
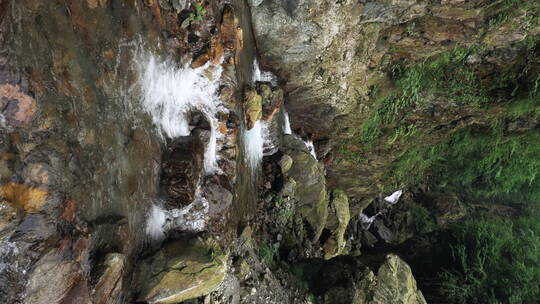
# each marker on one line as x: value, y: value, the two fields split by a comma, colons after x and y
x: 480, y: 163
x: 505, y: 10
x: 448, y: 76
x: 268, y: 253
x: 494, y: 261
x: 460, y: 78
x: 423, y: 221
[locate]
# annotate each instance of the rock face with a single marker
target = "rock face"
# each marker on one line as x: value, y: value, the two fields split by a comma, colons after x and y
x: 310, y: 184
x: 182, y: 270
x: 109, y: 286
x: 338, y: 221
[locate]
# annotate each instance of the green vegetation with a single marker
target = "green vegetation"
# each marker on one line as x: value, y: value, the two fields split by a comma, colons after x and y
x: 199, y: 13
x: 495, y: 261
x: 505, y: 10
x: 423, y: 221
x: 268, y: 253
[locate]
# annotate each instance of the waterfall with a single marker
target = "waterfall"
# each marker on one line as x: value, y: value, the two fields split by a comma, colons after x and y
x: 155, y: 223
x: 311, y: 148
x: 287, y: 130
x: 394, y: 197
x: 286, y: 122
x: 254, y: 143
x: 170, y: 92
x: 366, y: 220
x: 262, y: 76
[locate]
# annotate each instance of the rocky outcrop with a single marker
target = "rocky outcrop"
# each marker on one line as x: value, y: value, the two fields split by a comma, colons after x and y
x: 394, y: 283
x: 182, y: 270
x: 109, y: 285
x: 338, y: 221
x: 310, y: 191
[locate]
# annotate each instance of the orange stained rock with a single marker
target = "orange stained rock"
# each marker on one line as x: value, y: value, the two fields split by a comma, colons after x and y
x: 23, y: 197
x: 213, y: 54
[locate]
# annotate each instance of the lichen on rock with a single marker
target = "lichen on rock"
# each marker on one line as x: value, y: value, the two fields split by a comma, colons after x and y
x: 182, y: 270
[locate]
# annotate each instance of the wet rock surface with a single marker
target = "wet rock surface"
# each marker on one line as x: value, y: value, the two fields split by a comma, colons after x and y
x: 97, y: 198
x: 182, y: 270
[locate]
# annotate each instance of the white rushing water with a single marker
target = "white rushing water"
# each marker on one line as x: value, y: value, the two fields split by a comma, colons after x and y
x: 394, y: 197
x: 366, y: 220
x: 170, y: 92
x: 254, y: 143
x: 311, y: 148
x: 262, y: 76
x: 155, y: 223
x: 286, y: 122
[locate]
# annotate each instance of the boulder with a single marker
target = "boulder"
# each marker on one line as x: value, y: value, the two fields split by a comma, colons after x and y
x: 253, y: 108
x: 338, y: 220
x: 310, y: 184
x: 182, y: 270
x: 285, y: 163
x: 272, y: 101
x: 109, y: 285
x: 181, y: 171
x: 395, y: 284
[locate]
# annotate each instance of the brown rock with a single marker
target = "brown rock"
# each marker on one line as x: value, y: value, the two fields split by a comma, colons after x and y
x: 214, y: 53
x: 228, y: 29
x: 9, y: 218
x: 17, y: 107
x: 109, y: 285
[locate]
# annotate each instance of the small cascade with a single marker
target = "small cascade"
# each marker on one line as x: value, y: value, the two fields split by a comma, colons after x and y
x: 193, y: 217
x: 311, y: 148
x: 170, y: 92
x: 262, y: 76
x: 254, y: 144
x: 394, y: 197
x: 286, y: 122
x: 366, y: 220
x: 155, y: 223
x: 287, y: 130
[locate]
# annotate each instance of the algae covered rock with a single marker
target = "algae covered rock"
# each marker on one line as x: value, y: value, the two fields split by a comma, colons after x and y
x: 253, y: 108
x: 181, y: 270
x: 310, y: 184
x: 396, y: 284
x: 338, y: 220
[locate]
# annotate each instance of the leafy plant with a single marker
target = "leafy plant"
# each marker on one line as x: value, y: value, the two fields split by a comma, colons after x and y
x: 267, y: 253
x: 495, y: 261
x: 200, y: 12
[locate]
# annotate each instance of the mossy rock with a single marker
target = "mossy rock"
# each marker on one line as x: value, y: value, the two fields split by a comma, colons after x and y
x: 182, y: 270
x: 253, y: 108
x: 310, y: 184
x: 338, y: 220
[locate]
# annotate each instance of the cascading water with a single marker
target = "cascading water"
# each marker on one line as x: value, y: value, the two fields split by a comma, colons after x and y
x: 155, y: 223
x: 286, y: 122
x: 170, y: 92
x: 287, y: 130
x: 394, y: 197
x: 262, y: 76
x: 257, y: 137
x: 311, y: 148
x: 254, y: 143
